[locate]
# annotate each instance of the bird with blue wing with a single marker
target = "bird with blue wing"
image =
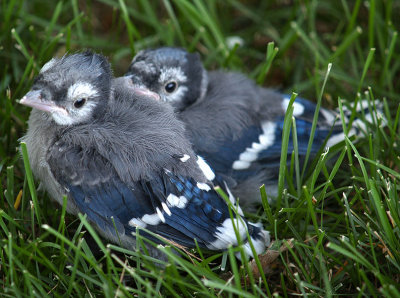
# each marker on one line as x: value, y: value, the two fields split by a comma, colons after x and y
x: 233, y: 123
x: 124, y: 160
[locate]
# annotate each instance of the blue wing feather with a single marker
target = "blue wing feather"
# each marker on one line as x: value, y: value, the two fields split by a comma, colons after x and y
x: 229, y: 152
x: 204, y: 212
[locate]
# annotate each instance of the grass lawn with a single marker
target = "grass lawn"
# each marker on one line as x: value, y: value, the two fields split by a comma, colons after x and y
x: 336, y: 227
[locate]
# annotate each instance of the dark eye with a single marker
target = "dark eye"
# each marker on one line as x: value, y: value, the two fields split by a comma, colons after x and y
x: 171, y: 87
x: 79, y: 102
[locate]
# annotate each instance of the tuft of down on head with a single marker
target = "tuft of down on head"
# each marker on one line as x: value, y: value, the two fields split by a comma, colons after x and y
x: 72, y: 89
x: 177, y: 76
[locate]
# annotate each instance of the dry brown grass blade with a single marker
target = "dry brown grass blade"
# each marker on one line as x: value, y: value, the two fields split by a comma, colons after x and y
x: 268, y: 258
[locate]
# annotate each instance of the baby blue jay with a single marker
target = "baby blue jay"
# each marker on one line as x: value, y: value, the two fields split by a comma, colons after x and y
x: 124, y: 160
x: 233, y: 123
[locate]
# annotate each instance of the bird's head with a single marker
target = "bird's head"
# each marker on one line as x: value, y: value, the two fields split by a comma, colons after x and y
x: 72, y: 89
x: 177, y: 76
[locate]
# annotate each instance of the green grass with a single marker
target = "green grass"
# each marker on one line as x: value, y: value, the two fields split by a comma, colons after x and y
x: 336, y: 227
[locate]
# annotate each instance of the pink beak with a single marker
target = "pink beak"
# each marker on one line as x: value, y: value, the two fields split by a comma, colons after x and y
x: 139, y: 89
x: 34, y: 100
x: 147, y: 92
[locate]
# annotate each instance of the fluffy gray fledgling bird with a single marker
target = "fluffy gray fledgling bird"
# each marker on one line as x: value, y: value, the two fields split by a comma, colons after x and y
x: 233, y: 123
x: 119, y: 156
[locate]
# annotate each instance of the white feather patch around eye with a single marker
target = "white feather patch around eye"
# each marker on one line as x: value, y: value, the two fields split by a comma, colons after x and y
x: 172, y: 73
x: 74, y: 116
x: 77, y: 91
x: 177, y: 95
x: 81, y: 90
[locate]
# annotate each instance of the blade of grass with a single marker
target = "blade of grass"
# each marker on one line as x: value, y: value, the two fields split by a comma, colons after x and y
x: 285, y: 143
x: 31, y: 183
